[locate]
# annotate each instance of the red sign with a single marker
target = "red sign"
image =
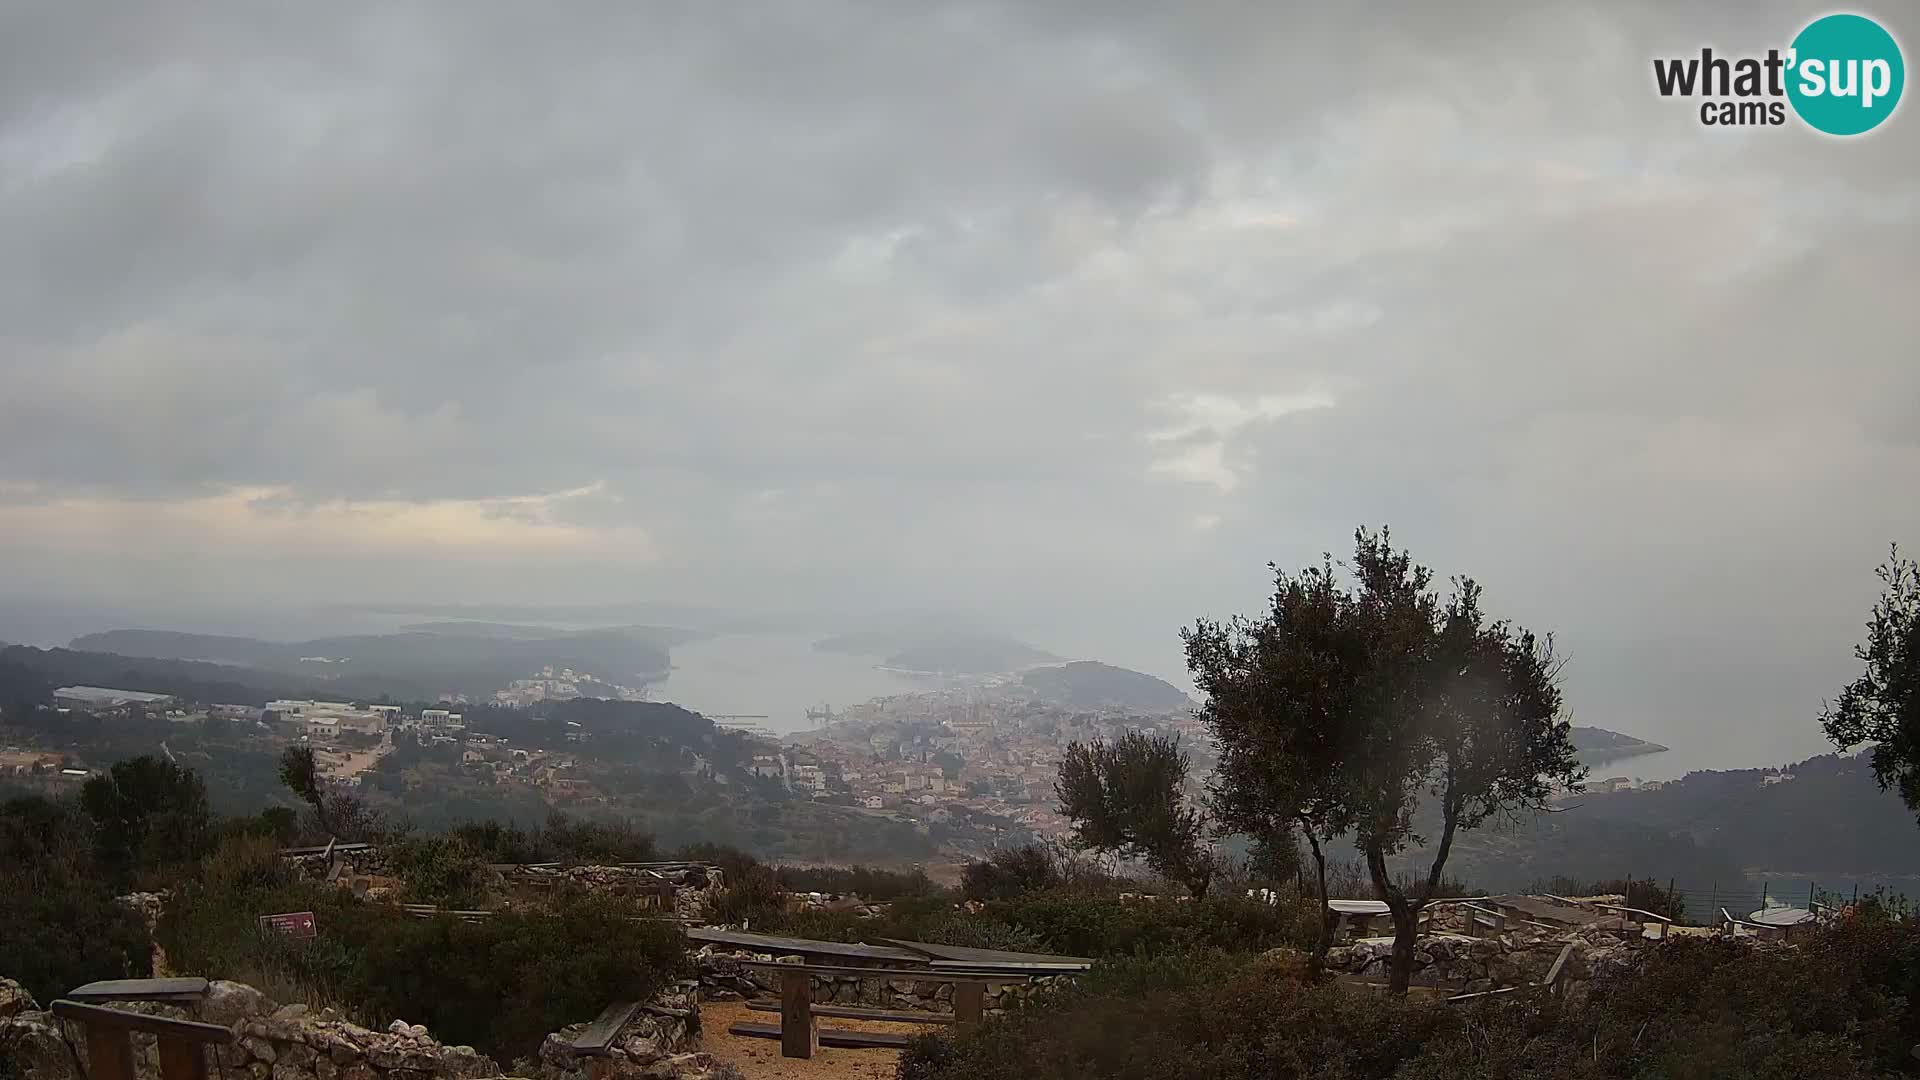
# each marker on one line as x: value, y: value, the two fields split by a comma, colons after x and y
x: 298, y: 924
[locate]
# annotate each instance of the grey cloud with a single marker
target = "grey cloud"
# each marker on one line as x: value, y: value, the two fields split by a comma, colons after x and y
x: 879, y: 304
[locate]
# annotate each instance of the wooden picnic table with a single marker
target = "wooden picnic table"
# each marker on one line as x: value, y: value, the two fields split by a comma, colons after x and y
x: 796, y: 1029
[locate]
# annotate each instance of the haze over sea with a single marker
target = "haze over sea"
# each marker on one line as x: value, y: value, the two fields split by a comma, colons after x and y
x: 780, y: 675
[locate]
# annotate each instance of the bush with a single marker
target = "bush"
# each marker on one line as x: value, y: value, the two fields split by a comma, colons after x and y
x: 59, y: 924
x: 560, y: 839
x: 58, y: 931
x: 440, y: 868
x: 211, y: 927
x: 1699, y: 1009
x: 501, y: 984
x: 1645, y: 894
x: 865, y: 882
x: 1088, y: 924
x: 1009, y: 873
x: 149, y: 817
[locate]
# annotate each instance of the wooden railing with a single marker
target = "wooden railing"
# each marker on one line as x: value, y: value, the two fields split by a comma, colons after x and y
x: 109, y: 1037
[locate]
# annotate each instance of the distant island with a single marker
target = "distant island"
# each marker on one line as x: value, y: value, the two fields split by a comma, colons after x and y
x: 1596, y: 745
x: 418, y: 664
x: 940, y: 652
x: 1089, y: 684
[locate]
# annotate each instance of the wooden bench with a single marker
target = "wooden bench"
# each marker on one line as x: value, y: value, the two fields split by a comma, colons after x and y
x: 854, y: 1012
x: 173, y: 991
x: 109, y: 1035
x: 796, y: 1031
x: 596, y: 1042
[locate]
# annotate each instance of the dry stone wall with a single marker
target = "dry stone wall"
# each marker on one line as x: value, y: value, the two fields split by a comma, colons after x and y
x: 293, y: 1042
x: 1519, y: 957
x: 724, y: 977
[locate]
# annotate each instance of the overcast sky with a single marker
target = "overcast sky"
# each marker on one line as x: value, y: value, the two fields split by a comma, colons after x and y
x: 1072, y: 314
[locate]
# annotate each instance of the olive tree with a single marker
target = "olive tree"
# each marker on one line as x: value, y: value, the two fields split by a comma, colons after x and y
x: 1882, y: 706
x: 1277, y: 702
x: 1128, y: 798
x: 1356, y: 699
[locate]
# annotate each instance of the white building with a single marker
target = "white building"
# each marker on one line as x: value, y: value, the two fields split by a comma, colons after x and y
x: 102, y: 697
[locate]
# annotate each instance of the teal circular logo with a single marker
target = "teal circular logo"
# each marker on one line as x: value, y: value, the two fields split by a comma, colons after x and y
x: 1846, y: 74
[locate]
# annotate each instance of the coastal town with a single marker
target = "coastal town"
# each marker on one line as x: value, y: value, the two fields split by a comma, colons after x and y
x: 983, y: 755
x: 970, y: 766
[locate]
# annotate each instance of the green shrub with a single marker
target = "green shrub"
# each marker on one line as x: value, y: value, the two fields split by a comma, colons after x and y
x: 1089, y: 924
x: 1009, y: 873
x: 1136, y: 976
x: 501, y: 984
x: 211, y: 927
x: 863, y: 881
x: 560, y: 839
x: 59, y: 924
x: 440, y: 868
x: 58, y: 931
x: 1699, y: 1009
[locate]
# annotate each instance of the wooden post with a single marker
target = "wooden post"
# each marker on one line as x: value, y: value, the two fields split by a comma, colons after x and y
x: 181, y: 1059
x: 796, y: 1014
x: 969, y: 1003
x: 109, y: 1053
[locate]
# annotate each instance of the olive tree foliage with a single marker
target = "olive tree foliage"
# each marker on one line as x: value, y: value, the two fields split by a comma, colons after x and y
x: 1359, y: 697
x: 1882, y: 706
x: 1278, y: 699
x: 338, y: 813
x: 147, y: 814
x: 1128, y: 798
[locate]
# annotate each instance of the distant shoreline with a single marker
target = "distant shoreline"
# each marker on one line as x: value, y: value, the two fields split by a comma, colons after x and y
x: 1612, y: 754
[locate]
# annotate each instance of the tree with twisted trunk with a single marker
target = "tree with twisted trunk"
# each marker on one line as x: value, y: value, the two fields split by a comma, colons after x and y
x: 1351, y: 701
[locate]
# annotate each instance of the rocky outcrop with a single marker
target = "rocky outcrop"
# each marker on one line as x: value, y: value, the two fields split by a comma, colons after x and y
x: 14, y: 999
x: 148, y: 904
x: 32, y: 1044
x: 724, y: 977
